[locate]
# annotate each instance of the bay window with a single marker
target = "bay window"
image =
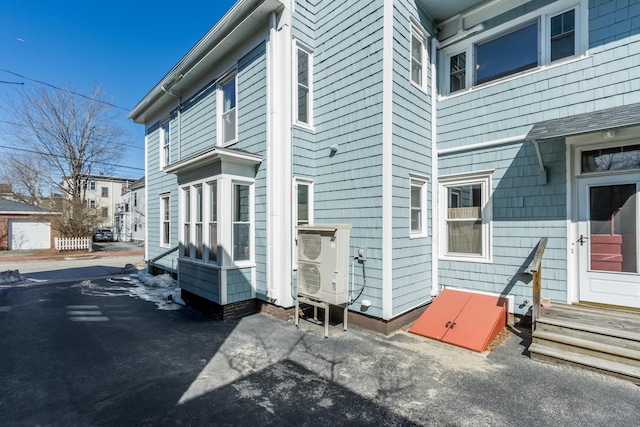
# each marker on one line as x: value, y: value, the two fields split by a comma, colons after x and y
x: 201, y: 212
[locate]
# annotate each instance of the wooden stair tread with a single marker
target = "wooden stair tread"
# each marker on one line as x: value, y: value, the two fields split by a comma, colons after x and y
x: 588, y: 344
x: 594, y: 313
x: 602, y: 330
x: 585, y: 360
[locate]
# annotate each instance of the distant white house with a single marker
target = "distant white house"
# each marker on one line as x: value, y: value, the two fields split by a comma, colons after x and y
x: 105, y: 193
x: 130, y: 214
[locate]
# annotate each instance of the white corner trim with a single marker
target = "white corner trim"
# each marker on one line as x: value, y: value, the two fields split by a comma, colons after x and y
x: 387, y: 161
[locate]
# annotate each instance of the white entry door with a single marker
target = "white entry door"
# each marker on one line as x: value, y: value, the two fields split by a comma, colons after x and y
x: 608, y: 239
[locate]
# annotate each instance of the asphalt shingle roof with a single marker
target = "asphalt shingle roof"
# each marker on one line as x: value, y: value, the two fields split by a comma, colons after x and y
x: 18, y: 207
x: 610, y: 118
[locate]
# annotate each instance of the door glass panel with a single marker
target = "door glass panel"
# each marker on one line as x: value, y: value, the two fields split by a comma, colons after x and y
x: 613, y: 228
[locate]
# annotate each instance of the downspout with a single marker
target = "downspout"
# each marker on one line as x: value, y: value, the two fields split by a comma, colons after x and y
x: 165, y: 90
x: 271, y: 126
x: 435, y: 188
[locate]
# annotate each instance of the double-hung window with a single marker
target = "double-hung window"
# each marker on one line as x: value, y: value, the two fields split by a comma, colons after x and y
x: 241, y: 221
x: 563, y: 35
x: 304, y: 94
x: 165, y: 226
x: 186, y: 225
x: 303, y: 209
x: 213, y: 221
x: 466, y: 216
x: 418, y: 206
x: 228, y: 118
x: 198, y: 215
x: 418, y: 57
x: 165, y: 144
x: 458, y: 72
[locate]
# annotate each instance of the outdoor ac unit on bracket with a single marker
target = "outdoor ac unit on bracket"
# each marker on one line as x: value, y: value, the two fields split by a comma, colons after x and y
x: 323, y: 263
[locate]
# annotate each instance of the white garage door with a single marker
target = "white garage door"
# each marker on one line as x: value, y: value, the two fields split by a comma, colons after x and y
x: 26, y: 234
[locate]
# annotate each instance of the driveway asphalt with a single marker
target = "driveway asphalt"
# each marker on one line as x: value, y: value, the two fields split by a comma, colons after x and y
x: 83, y: 352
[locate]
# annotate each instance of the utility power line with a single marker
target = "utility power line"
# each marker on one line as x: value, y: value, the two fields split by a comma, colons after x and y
x: 96, y: 139
x: 64, y: 90
x: 62, y: 157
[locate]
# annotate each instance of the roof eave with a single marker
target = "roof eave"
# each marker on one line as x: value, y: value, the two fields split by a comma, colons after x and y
x: 236, y: 19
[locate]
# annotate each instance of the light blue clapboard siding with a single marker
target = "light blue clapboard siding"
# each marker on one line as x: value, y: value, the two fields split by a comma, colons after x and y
x: 200, y: 280
x: 608, y: 77
x: 304, y: 21
x: 347, y: 84
x: 411, y: 154
x: 197, y: 133
x: 524, y: 210
x: 198, y: 122
x: 159, y: 183
x: 252, y: 136
x: 238, y: 285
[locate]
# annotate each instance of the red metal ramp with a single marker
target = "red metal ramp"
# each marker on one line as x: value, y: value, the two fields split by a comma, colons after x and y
x: 464, y: 319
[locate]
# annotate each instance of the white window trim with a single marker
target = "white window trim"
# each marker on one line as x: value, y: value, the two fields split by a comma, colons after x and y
x: 294, y: 207
x: 220, y: 107
x: 470, y: 178
x: 162, y: 244
x: 421, y: 35
x: 161, y: 133
x: 298, y: 45
x: 183, y: 221
x: 544, y: 16
x: 422, y: 182
x: 546, y: 32
x: 208, y: 221
x: 252, y: 223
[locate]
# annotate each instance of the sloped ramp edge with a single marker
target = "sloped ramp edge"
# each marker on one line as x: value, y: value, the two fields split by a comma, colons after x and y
x: 465, y: 319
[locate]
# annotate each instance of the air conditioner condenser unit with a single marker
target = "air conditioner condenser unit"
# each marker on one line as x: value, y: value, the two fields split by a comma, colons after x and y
x: 323, y: 262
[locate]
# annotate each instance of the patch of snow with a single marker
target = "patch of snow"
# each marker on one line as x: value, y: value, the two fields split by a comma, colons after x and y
x: 163, y: 290
x: 10, y: 276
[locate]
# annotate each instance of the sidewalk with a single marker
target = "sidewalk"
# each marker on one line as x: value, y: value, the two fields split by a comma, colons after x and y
x: 116, y: 249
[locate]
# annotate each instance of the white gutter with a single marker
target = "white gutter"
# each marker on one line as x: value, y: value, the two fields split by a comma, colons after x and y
x: 486, y: 144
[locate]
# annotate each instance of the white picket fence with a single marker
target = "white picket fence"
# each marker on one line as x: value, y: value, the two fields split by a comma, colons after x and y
x: 72, y: 243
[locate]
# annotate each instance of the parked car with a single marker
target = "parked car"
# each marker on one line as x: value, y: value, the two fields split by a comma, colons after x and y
x: 103, y: 235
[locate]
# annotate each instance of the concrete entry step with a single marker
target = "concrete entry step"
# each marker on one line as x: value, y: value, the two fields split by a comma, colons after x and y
x: 464, y: 319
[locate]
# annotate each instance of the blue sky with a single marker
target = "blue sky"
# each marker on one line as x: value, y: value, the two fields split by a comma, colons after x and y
x: 124, y: 46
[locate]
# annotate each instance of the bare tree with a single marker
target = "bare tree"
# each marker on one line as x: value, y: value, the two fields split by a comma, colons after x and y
x: 70, y: 134
x: 27, y: 176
